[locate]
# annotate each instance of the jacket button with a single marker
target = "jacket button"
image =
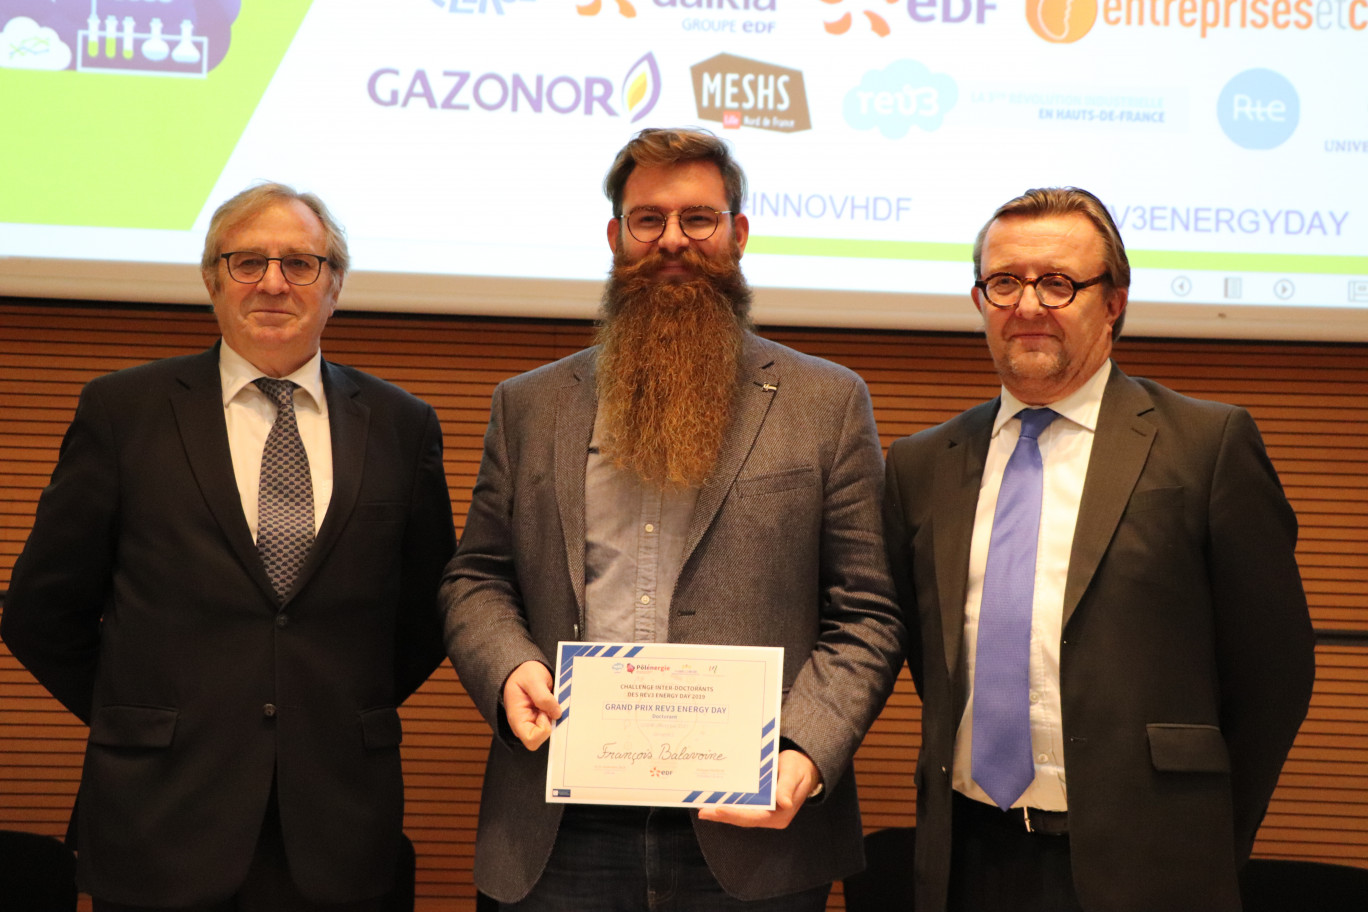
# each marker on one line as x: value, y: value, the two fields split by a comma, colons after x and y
x: 282, y: 620
x: 269, y: 710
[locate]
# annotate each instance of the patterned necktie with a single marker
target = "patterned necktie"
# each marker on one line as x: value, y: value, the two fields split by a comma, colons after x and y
x: 1001, y: 756
x: 285, y: 518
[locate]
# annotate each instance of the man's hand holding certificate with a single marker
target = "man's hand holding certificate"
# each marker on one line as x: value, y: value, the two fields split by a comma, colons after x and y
x: 666, y: 724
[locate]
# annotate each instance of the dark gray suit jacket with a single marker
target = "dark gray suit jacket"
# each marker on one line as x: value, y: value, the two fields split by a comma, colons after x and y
x: 784, y: 549
x: 1187, y: 657
x: 140, y: 602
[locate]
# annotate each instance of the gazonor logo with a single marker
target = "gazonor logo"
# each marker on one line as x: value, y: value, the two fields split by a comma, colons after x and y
x: 641, y: 88
x: 900, y: 95
x: 1258, y: 109
x: 463, y: 90
x: 1061, y: 21
x: 737, y: 92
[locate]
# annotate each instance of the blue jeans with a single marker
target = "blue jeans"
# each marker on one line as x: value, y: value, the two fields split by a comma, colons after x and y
x: 611, y: 859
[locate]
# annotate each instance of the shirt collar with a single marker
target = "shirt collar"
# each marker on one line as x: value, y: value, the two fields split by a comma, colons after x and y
x: 236, y: 373
x: 1081, y: 406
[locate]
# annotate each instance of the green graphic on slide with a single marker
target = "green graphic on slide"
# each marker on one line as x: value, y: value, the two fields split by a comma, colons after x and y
x: 860, y: 249
x: 117, y: 150
x: 1145, y: 259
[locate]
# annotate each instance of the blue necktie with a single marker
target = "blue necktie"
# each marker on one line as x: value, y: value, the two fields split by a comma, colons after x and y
x: 1002, y: 762
x: 285, y: 509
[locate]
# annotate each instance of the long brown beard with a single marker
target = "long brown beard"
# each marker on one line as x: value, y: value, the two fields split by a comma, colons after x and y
x: 667, y: 364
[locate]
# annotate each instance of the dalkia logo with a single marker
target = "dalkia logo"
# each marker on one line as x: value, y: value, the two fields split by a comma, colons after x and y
x: 737, y: 92
x: 457, y: 90
x: 624, y: 7
x: 1061, y: 21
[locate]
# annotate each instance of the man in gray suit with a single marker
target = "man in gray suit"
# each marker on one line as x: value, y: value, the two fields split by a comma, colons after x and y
x: 1107, y: 699
x: 682, y: 481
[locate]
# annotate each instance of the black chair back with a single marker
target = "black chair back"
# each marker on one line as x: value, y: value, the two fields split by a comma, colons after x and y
x: 37, y: 873
x: 1283, y: 885
x: 885, y: 885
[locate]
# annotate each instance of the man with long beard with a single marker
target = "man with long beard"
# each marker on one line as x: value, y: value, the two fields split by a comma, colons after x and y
x: 683, y: 481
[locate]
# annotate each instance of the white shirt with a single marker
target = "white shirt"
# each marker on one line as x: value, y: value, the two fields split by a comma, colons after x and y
x: 1065, y: 448
x: 249, y: 414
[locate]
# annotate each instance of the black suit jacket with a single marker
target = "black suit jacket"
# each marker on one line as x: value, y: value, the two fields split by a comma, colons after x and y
x: 140, y: 602
x: 1187, y: 656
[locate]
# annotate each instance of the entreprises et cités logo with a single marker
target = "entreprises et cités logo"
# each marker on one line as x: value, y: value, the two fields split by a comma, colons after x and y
x: 1065, y: 21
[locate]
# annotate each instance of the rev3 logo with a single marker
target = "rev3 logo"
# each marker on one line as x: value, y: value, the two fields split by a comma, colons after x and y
x: 894, y: 99
x: 633, y: 96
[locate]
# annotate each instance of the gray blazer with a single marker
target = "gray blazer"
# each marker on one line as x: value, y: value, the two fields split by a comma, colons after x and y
x: 1186, y: 664
x: 784, y: 549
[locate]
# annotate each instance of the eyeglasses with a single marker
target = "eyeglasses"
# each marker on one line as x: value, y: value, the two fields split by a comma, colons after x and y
x: 698, y: 223
x: 1053, y: 289
x: 297, y: 268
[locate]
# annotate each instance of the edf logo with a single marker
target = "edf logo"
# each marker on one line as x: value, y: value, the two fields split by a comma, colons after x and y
x: 1258, y: 109
x: 950, y: 12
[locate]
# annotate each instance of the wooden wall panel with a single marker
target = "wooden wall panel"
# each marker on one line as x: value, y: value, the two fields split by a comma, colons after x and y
x: 1311, y: 401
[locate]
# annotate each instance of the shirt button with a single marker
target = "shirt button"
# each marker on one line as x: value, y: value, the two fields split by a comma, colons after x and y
x: 650, y: 527
x: 1042, y: 758
x: 645, y: 600
x: 282, y: 620
x: 269, y: 710
x: 1035, y: 697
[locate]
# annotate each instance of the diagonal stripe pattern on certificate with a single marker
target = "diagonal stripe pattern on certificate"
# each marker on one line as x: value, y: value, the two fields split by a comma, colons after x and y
x: 568, y: 655
x: 760, y: 797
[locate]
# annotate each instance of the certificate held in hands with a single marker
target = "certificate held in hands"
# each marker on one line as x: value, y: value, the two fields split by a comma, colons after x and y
x: 666, y: 724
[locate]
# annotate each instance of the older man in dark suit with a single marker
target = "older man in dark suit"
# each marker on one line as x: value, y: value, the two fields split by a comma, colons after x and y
x: 1111, y: 641
x: 684, y: 481
x: 231, y: 578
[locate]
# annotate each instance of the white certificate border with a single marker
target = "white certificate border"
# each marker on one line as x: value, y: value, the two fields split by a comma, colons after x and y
x: 763, y: 796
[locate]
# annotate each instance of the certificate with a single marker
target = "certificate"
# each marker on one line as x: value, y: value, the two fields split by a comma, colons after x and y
x: 665, y: 724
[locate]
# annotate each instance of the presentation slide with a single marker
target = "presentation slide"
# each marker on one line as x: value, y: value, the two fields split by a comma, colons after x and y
x: 463, y: 144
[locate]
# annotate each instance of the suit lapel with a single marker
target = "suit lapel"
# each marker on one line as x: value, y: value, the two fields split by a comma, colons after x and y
x: 348, y: 428
x: 1119, y: 451
x: 204, y: 435
x: 959, y: 474
x: 754, y: 395
x: 576, y: 406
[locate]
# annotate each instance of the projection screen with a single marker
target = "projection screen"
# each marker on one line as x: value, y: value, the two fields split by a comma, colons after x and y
x: 463, y: 144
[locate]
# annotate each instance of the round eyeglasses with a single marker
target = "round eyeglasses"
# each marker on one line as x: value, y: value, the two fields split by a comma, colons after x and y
x: 249, y: 268
x: 698, y: 223
x: 1053, y: 289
